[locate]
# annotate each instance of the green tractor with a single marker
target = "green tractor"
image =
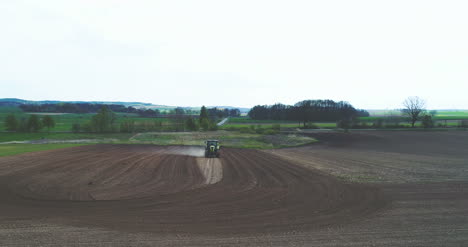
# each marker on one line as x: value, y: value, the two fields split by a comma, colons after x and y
x: 212, y: 149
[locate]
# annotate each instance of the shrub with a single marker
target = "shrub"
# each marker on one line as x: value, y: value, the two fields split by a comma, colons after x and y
x: 427, y: 121
x: 394, y: 120
x: 365, y: 125
x: 205, y: 124
x: 344, y: 124
x: 260, y: 131
x: 191, y: 124
x: 276, y: 127
x: 232, y: 128
x: 213, y: 126
x: 86, y: 127
x: 104, y: 121
x: 394, y: 126
x: 378, y: 124
x: 311, y: 126
x: 33, y: 124
x: 359, y: 125
x: 270, y: 132
x: 11, y: 124
x: 127, y: 126
x: 76, y: 127
x: 246, y: 130
x: 463, y: 124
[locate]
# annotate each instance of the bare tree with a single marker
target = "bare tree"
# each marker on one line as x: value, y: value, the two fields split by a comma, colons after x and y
x: 414, y: 109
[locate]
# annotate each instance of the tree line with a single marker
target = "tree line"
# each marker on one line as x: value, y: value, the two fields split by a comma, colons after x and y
x: 143, y: 112
x: 222, y: 113
x: 31, y: 124
x: 308, y: 111
x: 86, y: 108
x: 178, y: 122
x: 105, y: 121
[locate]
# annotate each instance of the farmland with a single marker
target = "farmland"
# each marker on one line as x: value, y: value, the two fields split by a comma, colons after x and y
x: 31, y: 141
x: 242, y: 122
x: 13, y: 149
x: 17, y: 136
x: 231, y: 139
x: 355, y: 187
x: 239, y: 132
x: 276, y: 184
x: 64, y: 122
x: 442, y: 118
x: 234, y: 123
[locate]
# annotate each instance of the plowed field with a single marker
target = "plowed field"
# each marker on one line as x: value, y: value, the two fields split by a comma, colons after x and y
x: 140, y: 188
x: 414, y: 194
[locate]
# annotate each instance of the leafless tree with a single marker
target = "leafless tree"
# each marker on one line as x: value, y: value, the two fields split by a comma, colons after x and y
x: 414, y: 109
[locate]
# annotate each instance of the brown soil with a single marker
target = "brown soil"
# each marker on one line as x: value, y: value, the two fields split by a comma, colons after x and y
x: 386, y: 156
x: 143, y: 195
x: 142, y: 188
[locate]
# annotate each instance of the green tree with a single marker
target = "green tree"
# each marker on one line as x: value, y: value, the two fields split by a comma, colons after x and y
x: 205, y: 124
x: 33, y: 124
x: 203, y: 113
x: 76, y: 127
x: 204, y: 120
x: 276, y: 127
x: 11, y: 123
x: 127, y: 126
x: 213, y: 125
x: 22, y: 125
x: 179, y: 111
x: 304, y: 109
x: 103, y: 121
x: 48, y: 122
x: 191, y: 124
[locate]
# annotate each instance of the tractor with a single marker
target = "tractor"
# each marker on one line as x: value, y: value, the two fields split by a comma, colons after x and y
x: 212, y: 149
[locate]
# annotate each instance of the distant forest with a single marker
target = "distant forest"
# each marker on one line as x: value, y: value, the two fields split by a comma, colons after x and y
x: 143, y: 112
x: 308, y: 111
x: 86, y: 108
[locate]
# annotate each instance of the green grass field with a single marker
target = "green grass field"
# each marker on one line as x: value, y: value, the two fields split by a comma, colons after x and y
x: 448, y: 118
x: 242, y: 122
x: 437, y: 117
x: 227, y: 139
x: 64, y: 122
x: 252, y: 121
x: 265, y: 125
x: 13, y: 149
x: 13, y: 136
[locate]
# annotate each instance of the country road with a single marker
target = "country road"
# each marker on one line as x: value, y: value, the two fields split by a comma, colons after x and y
x: 223, y: 121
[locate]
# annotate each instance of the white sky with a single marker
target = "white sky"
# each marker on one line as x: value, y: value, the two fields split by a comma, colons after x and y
x: 372, y: 53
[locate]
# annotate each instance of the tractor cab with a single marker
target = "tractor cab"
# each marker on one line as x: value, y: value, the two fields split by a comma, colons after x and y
x: 212, y: 148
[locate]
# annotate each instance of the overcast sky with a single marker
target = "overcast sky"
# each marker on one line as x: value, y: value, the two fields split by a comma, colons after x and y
x: 372, y: 53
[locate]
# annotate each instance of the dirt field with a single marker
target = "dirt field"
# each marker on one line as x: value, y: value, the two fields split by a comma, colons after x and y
x: 132, y: 195
x: 387, y: 156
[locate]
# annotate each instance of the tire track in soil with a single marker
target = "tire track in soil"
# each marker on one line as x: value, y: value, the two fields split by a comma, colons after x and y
x: 212, y: 169
x: 158, y: 189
